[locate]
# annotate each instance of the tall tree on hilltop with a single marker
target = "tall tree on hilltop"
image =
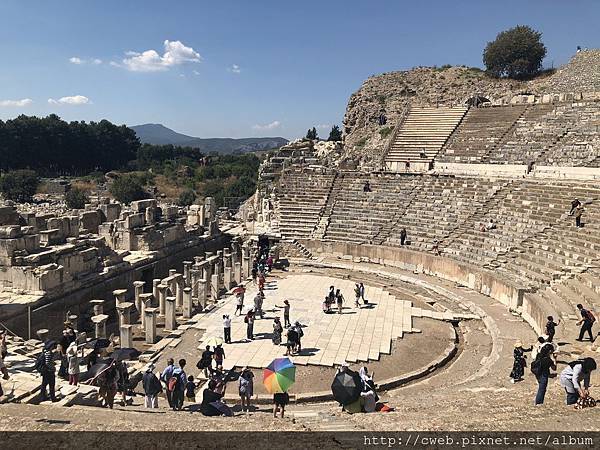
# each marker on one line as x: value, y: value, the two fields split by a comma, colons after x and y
x: 312, y: 134
x: 515, y: 53
x: 335, y: 134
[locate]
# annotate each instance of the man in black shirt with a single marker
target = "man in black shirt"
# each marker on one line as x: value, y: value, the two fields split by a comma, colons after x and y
x: 545, y: 362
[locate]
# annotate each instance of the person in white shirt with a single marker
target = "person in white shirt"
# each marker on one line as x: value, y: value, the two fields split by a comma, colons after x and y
x: 227, y: 329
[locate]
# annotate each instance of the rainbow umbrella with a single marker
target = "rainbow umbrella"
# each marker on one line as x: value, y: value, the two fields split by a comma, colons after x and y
x: 279, y: 375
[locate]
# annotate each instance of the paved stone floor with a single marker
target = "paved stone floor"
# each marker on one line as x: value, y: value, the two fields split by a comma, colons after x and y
x: 329, y: 339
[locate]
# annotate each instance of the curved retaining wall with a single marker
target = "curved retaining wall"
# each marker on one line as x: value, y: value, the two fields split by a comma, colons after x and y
x: 480, y: 280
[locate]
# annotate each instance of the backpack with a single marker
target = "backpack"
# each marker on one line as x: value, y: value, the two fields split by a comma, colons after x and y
x: 173, y: 382
x: 40, y: 363
x: 299, y: 331
x: 590, y: 316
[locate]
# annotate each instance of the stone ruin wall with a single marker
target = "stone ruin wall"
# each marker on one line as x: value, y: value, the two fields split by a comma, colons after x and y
x: 393, y: 94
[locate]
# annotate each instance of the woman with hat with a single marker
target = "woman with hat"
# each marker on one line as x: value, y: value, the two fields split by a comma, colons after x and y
x: 519, y: 363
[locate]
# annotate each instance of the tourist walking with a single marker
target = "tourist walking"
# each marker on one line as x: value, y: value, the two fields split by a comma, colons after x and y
x: 292, y: 341
x: 280, y: 400
x: 190, y: 389
x: 123, y: 381
x: 258, y: 301
x: 219, y: 355
x: 551, y: 328
x: 45, y: 366
x: 331, y: 295
x: 277, y: 331
x: 152, y: 387
x: 300, y: 334
x: 339, y: 298
x: 402, y: 236
x: 249, y: 321
x: 246, y: 388
x: 165, y: 377
x: 73, y: 363
x: 357, y: 295
x: 226, y: 329
x: 540, y: 367
x: 574, y: 375
x: 205, y: 362
x: 177, y: 384
x: 107, y: 382
x: 240, y: 303
x: 574, y: 204
x: 578, y: 214
x: 586, y: 322
x: 519, y: 363
x: 362, y: 294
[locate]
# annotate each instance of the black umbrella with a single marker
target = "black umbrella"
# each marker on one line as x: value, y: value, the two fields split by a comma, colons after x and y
x: 95, y: 370
x: 346, y: 387
x: 97, y: 343
x: 125, y: 354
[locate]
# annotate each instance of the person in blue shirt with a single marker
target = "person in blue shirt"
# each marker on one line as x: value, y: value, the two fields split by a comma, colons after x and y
x: 179, y: 388
x: 164, y: 377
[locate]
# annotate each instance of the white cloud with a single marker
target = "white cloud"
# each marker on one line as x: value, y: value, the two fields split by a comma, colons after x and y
x: 235, y: 69
x: 268, y: 126
x: 79, y: 61
x: 323, y: 126
x: 72, y: 100
x: 195, y: 72
x: 175, y: 54
x: 16, y: 103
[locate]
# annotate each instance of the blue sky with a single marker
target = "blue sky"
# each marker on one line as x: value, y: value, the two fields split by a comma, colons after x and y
x: 246, y: 68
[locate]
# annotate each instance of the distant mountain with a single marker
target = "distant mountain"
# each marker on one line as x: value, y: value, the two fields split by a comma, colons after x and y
x: 155, y: 133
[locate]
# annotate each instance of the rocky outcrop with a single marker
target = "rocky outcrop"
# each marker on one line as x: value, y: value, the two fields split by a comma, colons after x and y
x: 582, y: 74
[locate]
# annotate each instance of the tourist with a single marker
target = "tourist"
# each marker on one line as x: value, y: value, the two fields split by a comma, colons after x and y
x: 362, y: 294
x: 540, y: 367
x: 123, y: 381
x: 541, y: 344
x: 190, y: 389
x: 165, y: 377
x: 227, y: 329
x: 402, y: 236
x: 300, y: 334
x: 254, y: 272
x: 280, y: 399
x: 211, y: 400
x: 249, y: 321
x: 331, y: 295
x: 357, y: 295
x: 246, y: 388
x: 47, y: 370
x: 4, y: 372
x: 574, y: 205
x: 578, y: 214
x: 482, y: 228
x: 586, y: 322
x: 339, y: 298
x: 205, y: 362
x: 240, y: 302
x: 258, y: 301
x: 219, y: 355
x: 407, y: 166
x: 270, y: 263
x: 261, y: 281
x: 177, y: 384
x: 152, y: 387
x: 325, y: 305
x: 436, y: 248
x: 519, y: 363
x: 73, y: 363
x: 367, y: 186
x: 277, y: 331
x: 551, y: 328
x: 286, y: 313
x: 572, y: 376
x: 292, y: 341
x: 107, y: 382
x: 490, y: 225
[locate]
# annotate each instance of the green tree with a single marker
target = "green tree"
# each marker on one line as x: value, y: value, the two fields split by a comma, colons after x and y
x: 186, y: 198
x: 515, y: 53
x: 19, y: 185
x: 335, y: 134
x: 128, y: 188
x: 312, y: 134
x: 76, y: 198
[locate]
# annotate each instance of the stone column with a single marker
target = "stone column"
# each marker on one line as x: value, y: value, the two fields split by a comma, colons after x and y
x: 194, y: 285
x: 207, y: 272
x: 126, y: 336
x: 124, y: 313
x: 237, y: 273
x: 155, y: 283
x: 214, y: 288
x: 172, y: 272
x: 228, y: 278
x: 100, y: 323
x: 202, y: 292
x: 246, y: 269
x: 217, y: 270
x: 146, y: 302
x: 170, y: 317
x: 187, y: 274
x: 179, y: 285
x: 188, y: 304
x: 150, y: 320
x: 138, y: 287
x: 97, y: 306
x: 119, y: 296
x: 162, y: 298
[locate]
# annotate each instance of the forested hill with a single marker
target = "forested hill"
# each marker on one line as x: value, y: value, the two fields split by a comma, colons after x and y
x: 51, y: 146
x: 154, y: 133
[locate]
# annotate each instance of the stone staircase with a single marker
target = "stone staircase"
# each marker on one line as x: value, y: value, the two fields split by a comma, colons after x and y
x: 422, y: 134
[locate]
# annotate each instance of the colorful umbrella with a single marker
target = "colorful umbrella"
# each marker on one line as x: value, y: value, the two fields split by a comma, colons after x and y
x: 279, y: 375
x: 213, y: 341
